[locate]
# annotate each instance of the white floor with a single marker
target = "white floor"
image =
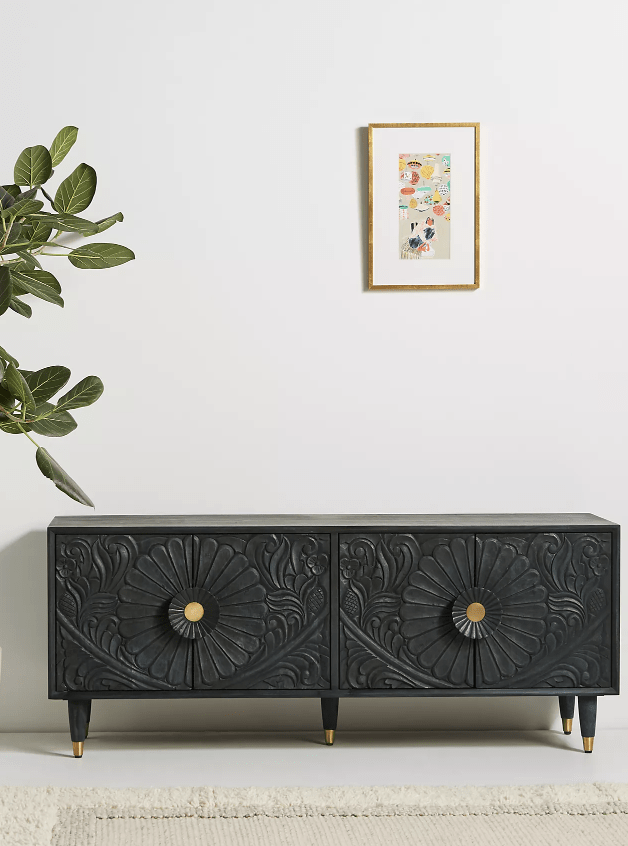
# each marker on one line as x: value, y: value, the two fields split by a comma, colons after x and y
x: 302, y: 759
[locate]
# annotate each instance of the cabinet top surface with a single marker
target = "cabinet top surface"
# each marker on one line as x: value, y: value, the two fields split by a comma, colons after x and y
x: 332, y: 521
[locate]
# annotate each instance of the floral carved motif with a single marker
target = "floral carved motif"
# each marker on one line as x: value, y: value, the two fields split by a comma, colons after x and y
x: 575, y: 569
x: 263, y: 603
x: 544, y: 600
x: 233, y: 587
x: 520, y: 634
x: 380, y: 645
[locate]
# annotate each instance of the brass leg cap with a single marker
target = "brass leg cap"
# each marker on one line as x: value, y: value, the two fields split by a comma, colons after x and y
x: 77, y: 748
x: 587, y: 742
x: 329, y: 737
x: 567, y: 726
x: 86, y: 730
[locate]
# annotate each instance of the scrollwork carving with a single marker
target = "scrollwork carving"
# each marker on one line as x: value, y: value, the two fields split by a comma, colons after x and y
x: 403, y: 601
x: 121, y: 600
x: 390, y: 636
x: 574, y: 569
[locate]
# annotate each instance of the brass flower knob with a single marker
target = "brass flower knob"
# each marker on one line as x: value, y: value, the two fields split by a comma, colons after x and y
x: 475, y: 612
x: 193, y: 611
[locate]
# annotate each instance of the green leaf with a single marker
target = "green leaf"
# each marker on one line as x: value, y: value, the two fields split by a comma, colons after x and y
x: 17, y: 386
x: 33, y: 167
x: 57, y: 474
x: 6, y: 198
x: 12, y: 428
x: 83, y: 393
x: 2, y: 369
x: 21, y: 308
x: 41, y: 234
x: 6, y: 289
x: 46, y: 382
x: 18, y: 291
x: 28, y: 262
x: 16, y: 231
x: 107, y: 222
x: 13, y: 190
x: 67, y: 223
x: 22, y: 208
x: 62, y: 144
x: 44, y: 277
x: 31, y: 281
x: 30, y: 194
x: 100, y: 256
x: 6, y: 400
x: 56, y: 424
x: 27, y: 229
x: 77, y: 191
x: 5, y: 355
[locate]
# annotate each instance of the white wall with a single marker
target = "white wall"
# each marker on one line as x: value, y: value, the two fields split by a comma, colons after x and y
x: 246, y: 367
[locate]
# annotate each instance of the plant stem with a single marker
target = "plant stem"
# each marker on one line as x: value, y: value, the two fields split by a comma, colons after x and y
x: 24, y: 432
x: 18, y: 424
x: 12, y: 419
x: 47, y: 196
x: 6, y: 234
x: 16, y: 244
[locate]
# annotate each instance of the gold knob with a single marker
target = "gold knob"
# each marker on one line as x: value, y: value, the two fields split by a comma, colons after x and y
x: 475, y: 612
x: 193, y: 611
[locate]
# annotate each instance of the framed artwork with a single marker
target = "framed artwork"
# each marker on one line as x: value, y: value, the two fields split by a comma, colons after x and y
x: 424, y: 226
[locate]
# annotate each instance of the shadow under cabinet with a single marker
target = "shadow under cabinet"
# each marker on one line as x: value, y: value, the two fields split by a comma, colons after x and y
x: 334, y: 606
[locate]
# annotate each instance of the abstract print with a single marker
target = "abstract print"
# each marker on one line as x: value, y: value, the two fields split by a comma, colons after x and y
x: 424, y: 205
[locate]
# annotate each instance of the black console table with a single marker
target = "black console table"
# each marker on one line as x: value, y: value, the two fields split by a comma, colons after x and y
x: 334, y: 606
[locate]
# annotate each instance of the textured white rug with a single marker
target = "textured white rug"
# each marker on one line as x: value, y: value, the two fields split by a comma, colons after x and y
x: 343, y: 816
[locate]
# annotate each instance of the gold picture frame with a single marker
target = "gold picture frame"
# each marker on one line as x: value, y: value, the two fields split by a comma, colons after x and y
x: 476, y: 209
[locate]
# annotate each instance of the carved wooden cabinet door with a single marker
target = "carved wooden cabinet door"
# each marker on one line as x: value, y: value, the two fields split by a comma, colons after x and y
x: 91, y: 654
x: 551, y: 620
x: 272, y: 610
x: 123, y: 619
x: 484, y: 611
x: 397, y: 592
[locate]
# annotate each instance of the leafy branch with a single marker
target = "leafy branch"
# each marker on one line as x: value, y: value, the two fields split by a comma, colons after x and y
x: 26, y: 231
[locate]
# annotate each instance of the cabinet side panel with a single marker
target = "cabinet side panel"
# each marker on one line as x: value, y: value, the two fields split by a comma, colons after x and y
x: 397, y: 593
x: 555, y: 595
x: 52, y: 623
x: 616, y: 592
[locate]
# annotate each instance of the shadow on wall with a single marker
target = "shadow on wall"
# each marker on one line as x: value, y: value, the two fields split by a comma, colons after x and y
x: 24, y: 703
x: 362, y: 158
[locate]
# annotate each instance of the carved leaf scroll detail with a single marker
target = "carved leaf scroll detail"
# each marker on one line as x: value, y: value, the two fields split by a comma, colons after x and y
x: 114, y: 594
x: 397, y: 593
x: 575, y: 570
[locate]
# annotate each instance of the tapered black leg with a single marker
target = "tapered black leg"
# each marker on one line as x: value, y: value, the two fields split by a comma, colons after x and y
x: 78, y: 712
x: 89, y: 716
x: 329, y: 707
x: 567, y: 705
x: 587, y: 711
